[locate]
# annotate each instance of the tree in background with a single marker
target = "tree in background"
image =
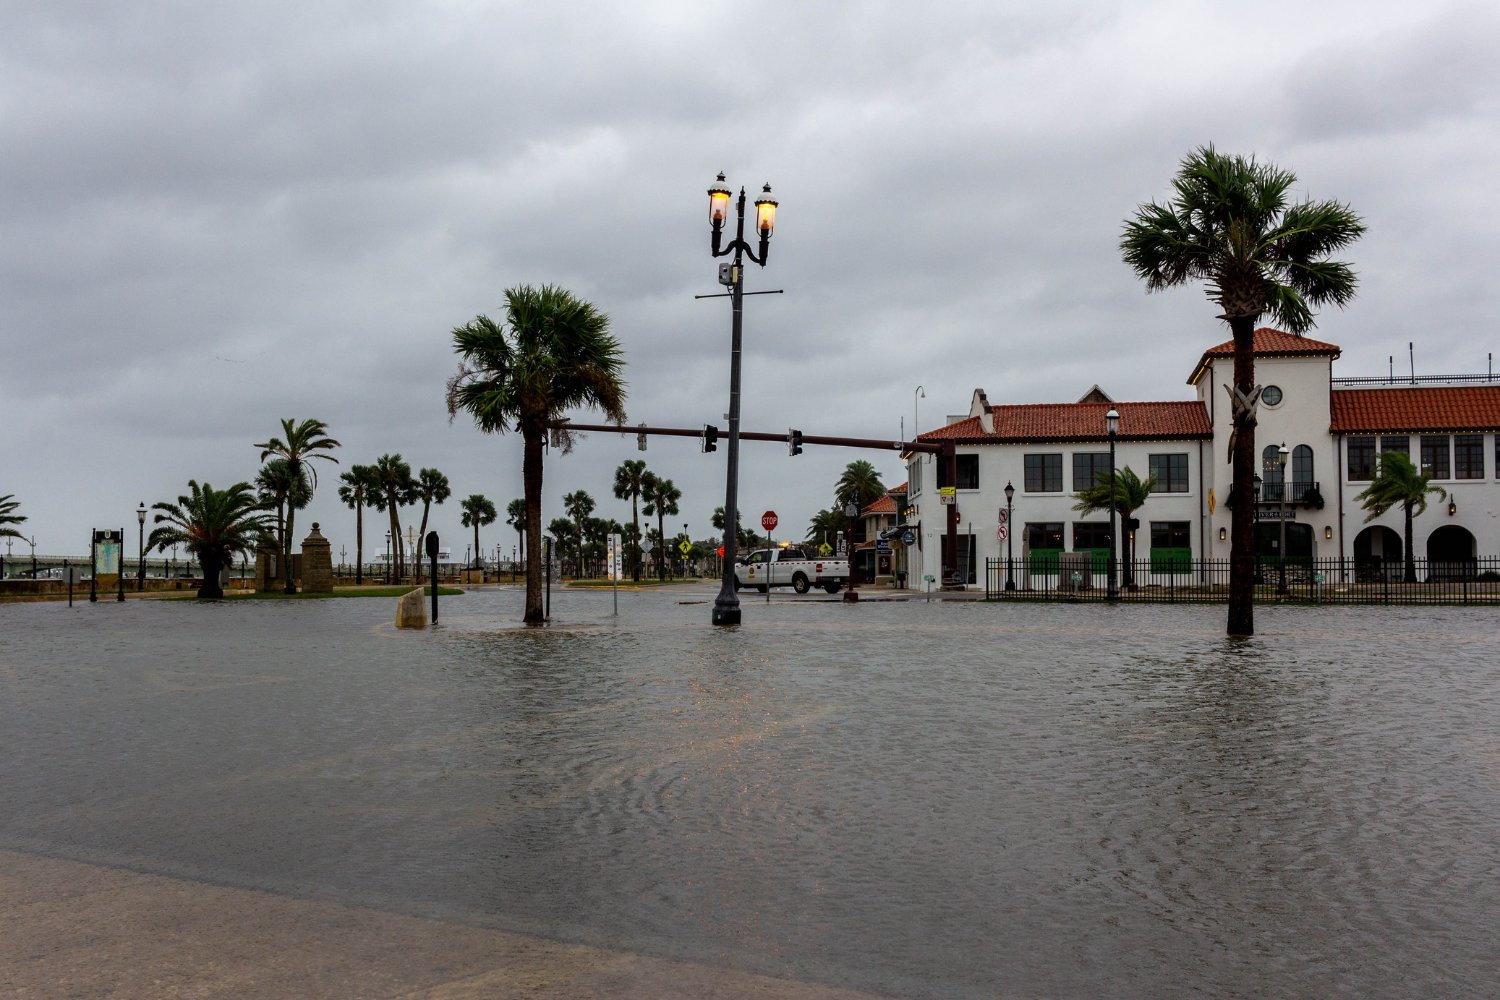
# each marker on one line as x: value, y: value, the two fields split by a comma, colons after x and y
x: 477, y: 511
x: 1228, y: 225
x: 661, y: 497
x: 515, y: 516
x: 431, y: 488
x: 304, y: 442
x: 744, y: 539
x: 859, y: 484
x: 578, y: 505
x: 9, y: 518
x: 826, y: 525
x: 354, y: 489
x: 1398, y: 482
x: 630, y: 480
x: 275, y: 487
x: 391, y: 487
x: 214, y: 525
x: 1130, y: 495
x: 564, y: 541
x: 553, y: 354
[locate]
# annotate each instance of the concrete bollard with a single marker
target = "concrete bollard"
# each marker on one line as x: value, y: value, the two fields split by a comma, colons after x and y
x: 411, y: 611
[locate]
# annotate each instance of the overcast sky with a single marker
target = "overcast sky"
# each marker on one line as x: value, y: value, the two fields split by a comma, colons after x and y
x: 213, y: 216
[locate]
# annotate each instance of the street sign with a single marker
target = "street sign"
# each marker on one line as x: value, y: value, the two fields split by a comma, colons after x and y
x: 721, y: 552
x: 1002, y: 533
x: 908, y: 537
x: 824, y: 549
x: 684, y: 546
x: 881, y: 545
x: 948, y: 494
x: 1004, y: 516
x: 615, y: 557
x: 768, y: 520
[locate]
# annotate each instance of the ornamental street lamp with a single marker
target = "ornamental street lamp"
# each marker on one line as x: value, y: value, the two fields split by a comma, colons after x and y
x: 916, y: 427
x: 851, y: 511
x: 140, y: 571
x: 1281, y: 454
x: 726, y: 609
x: 387, y: 557
x: 1010, y: 529
x: 32, y: 541
x: 1112, y: 425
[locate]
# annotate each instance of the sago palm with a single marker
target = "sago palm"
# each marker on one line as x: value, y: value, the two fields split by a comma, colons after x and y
x: 1229, y: 224
x: 1399, y: 483
x: 303, y: 442
x: 552, y: 355
x: 214, y: 525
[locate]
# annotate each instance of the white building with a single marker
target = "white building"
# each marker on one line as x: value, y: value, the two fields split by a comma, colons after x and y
x: 1332, y: 429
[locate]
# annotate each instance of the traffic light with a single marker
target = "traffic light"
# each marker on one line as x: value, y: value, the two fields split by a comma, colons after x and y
x: 640, y: 439
x: 793, y: 442
x: 710, y: 437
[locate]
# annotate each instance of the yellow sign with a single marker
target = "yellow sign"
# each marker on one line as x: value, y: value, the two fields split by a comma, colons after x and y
x: 684, y: 546
x: 824, y: 549
x: 1211, y: 501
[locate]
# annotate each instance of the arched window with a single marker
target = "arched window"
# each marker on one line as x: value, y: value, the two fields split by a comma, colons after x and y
x: 1302, y: 466
x: 1270, y: 467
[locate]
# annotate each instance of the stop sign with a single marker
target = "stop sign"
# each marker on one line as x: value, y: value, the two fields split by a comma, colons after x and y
x: 768, y: 520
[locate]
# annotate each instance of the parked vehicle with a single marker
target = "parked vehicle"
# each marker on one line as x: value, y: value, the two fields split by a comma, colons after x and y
x: 790, y: 567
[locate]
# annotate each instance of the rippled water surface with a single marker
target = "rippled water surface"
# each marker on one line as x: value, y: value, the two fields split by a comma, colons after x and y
x: 949, y: 800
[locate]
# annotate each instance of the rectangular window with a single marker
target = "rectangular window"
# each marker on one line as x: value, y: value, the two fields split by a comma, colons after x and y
x: 1171, y: 472
x: 1044, y: 475
x: 914, y: 476
x: 1090, y: 535
x: 1171, y: 547
x: 1435, y: 456
x: 968, y: 472
x: 1088, y: 466
x: 1361, y: 459
x: 1044, y: 540
x: 1395, y: 442
x: 1468, y: 456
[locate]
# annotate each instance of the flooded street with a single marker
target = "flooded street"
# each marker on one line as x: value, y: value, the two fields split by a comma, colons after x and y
x: 936, y: 800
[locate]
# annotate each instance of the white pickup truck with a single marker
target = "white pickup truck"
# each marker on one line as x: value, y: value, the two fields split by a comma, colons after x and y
x: 790, y: 567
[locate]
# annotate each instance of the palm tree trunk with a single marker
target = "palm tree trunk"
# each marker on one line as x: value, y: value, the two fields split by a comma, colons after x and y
x: 1242, y: 520
x: 635, y: 521
x: 531, y: 482
x: 661, y: 543
x: 287, y: 586
x: 359, y: 543
x: 211, y: 569
x: 395, y: 548
x: 1410, y: 576
x: 476, y: 541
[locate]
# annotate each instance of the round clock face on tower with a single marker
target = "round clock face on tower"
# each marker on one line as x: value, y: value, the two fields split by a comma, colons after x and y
x: 1271, y: 395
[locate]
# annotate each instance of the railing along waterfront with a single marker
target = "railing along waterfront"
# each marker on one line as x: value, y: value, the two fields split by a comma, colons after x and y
x: 1206, y: 581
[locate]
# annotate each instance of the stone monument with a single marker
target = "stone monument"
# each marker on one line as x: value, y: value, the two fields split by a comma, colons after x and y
x: 317, y: 563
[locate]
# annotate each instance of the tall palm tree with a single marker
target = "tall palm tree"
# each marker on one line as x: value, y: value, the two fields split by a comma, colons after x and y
x: 826, y: 525
x: 215, y: 525
x: 744, y: 538
x: 304, y: 441
x: 661, y: 497
x: 630, y: 477
x: 1130, y: 495
x: 1229, y: 225
x: 553, y: 354
x: 275, y: 486
x: 859, y: 484
x: 1398, y: 482
x: 515, y: 516
x: 354, y: 491
x: 578, y: 505
x: 432, y: 488
x: 477, y: 510
x: 9, y: 518
x: 391, y: 486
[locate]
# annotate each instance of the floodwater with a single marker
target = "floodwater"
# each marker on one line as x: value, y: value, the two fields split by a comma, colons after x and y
x: 935, y: 800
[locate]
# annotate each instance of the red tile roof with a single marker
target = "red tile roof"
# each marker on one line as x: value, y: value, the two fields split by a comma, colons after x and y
x: 1430, y: 408
x: 1269, y: 343
x: 885, y: 505
x: 1081, y: 422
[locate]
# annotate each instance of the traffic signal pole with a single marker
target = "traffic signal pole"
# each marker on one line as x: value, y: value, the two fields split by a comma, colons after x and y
x: 944, y: 450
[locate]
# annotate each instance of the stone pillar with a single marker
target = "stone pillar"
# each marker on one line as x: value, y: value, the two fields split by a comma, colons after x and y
x: 267, y: 568
x: 411, y: 609
x: 317, y: 563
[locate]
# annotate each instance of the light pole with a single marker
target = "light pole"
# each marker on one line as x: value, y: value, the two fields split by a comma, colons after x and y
x: 916, y: 428
x: 727, y: 605
x: 387, y: 558
x: 140, y: 570
x: 1010, y: 529
x: 851, y: 512
x: 32, y: 541
x: 1281, y: 454
x: 1112, y: 424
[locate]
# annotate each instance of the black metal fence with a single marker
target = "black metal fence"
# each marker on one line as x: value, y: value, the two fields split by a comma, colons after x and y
x: 1206, y: 581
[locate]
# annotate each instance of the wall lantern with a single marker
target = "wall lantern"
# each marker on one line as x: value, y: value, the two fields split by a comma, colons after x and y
x: 1452, y: 505
x: 1328, y: 531
x: 1223, y: 534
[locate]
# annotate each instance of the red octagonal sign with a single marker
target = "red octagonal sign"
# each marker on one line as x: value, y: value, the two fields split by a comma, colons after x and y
x: 768, y: 520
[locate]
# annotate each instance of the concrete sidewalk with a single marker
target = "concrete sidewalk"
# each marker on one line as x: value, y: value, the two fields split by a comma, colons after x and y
x: 70, y: 929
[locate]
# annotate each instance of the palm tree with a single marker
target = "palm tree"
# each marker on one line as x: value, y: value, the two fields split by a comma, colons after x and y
x: 391, y: 486
x: 9, y: 518
x: 826, y: 525
x: 744, y: 538
x: 1130, y: 495
x: 215, y: 525
x: 354, y: 491
x: 661, y: 497
x: 431, y: 488
x: 564, y: 539
x: 515, y: 516
x: 1229, y: 225
x: 478, y: 510
x: 630, y: 477
x: 274, y: 485
x: 553, y: 354
x: 1398, y: 481
x: 304, y: 442
x: 578, y: 505
x: 859, y: 484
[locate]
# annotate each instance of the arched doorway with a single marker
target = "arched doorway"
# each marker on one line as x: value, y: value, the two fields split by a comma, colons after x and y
x: 1450, y: 553
x: 1377, y: 553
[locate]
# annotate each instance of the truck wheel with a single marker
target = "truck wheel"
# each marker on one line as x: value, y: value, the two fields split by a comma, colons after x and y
x: 832, y: 588
x: 800, y: 584
x: 763, y: 587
